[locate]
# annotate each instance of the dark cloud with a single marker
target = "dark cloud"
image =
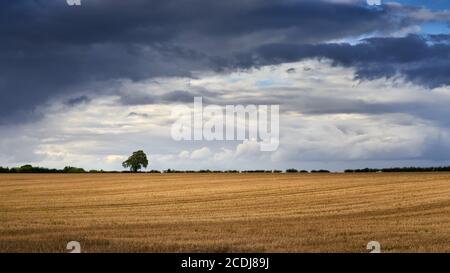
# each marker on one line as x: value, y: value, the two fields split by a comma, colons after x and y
x: 77, y: 101
x: 290, y: 70
x: 157, y: 21
x: 440, y: 38
x: 137, y: 99
x: 417, y: 58
x: 135, y: 114
x: 49, y: 49
x: 177, y: 96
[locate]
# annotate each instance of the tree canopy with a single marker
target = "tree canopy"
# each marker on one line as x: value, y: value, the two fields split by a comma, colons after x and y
x: 136, y: 161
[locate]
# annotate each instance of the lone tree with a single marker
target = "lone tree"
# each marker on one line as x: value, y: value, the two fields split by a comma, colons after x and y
x: 136, y: 161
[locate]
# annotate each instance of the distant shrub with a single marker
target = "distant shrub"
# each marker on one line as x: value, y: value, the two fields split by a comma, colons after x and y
x: 320, y: 171
x: 291, y: 171
x: 366, y: 170
x: 69, y: 169
x: 31, y: 169
x: 26, y: 169
x: 178, y: 171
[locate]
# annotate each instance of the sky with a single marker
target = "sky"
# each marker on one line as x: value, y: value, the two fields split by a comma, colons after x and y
x: 358, y: 85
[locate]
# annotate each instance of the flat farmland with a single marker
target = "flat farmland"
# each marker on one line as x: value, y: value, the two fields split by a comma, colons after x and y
x: 405, y: 212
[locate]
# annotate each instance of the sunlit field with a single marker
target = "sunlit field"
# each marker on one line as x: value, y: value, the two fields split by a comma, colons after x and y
x: 225, y: 212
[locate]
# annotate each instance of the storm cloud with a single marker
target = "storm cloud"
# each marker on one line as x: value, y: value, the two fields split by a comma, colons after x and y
x: 423, y: 60
x: 52, y: 50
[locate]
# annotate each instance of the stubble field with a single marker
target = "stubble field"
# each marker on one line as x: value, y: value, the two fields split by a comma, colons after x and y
x: 225, y: 212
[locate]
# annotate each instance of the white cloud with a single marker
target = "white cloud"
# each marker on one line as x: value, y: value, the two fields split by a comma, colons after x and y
x: 202, y: 153
x: 184, y: 155
x: 248, y: 148
x: 327, y: 120
x: 115, y: 159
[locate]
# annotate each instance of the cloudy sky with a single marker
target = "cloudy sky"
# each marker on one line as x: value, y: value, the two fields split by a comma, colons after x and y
x: 358, y: 85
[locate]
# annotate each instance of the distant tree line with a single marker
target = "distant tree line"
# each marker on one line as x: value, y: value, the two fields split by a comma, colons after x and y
x: 246, y: 171
x: 32, y: 169
x: 70, y: 169
x: 403, y: 169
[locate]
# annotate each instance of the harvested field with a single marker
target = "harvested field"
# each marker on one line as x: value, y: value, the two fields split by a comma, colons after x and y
x: 405, y: 212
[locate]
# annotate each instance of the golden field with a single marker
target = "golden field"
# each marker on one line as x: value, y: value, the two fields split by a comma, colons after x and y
x: 405, y: 212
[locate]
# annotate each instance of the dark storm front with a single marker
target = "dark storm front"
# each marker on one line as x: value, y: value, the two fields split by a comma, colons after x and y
x: 226, y: 263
